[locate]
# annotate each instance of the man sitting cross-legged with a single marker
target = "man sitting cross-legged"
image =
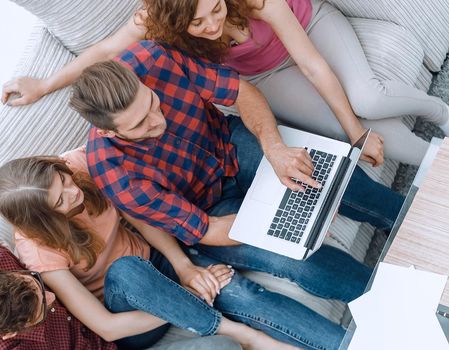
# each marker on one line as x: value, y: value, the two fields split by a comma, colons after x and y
x: 163, y: 153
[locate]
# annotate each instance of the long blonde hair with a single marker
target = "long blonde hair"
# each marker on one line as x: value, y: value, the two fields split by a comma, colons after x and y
x: 24, y: 185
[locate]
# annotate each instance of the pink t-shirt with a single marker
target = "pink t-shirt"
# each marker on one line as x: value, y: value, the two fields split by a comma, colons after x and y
x: 118, y: 242
x: 263, y: 50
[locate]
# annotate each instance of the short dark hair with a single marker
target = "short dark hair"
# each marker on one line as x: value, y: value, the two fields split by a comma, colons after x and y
x: 19, y: 302
x: 103, y: 89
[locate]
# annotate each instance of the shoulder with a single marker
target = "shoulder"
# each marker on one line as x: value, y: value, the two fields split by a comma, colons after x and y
x: 142, y: 55
x: 37, y: 257
x: 263, y: 8
x: 106, y: 163
x: 101, y: 149
x: 75, y: 159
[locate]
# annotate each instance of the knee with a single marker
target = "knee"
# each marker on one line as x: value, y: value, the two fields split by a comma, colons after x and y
x: 243, y: 289
x: 124, y: 270
x: 366, y: 98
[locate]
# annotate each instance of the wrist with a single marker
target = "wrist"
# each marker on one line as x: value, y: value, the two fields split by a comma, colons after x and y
x: 46, y: 86
x: 181, y: 264
x: 355, y: 133
x: 272, y: 147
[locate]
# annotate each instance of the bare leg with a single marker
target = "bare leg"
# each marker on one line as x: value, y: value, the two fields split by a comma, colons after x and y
x: 249, y: 338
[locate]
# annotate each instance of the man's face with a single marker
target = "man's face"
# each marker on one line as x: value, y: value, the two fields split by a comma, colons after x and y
x: 143, y: 119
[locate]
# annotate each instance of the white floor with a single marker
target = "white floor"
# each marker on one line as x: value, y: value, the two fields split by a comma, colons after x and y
x: 15, y: 27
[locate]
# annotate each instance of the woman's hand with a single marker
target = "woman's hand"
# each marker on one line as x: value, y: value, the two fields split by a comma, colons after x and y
x: 27, y: 90
x: 206, y: 282
x: 373, y: 152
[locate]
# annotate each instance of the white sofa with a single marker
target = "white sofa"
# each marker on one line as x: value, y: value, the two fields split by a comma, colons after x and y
x: 404, y: 40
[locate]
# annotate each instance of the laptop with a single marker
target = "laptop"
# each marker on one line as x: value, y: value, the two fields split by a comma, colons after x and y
x: 294, y: 224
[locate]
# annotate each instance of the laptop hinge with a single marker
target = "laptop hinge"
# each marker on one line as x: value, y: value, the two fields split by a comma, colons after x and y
x: 327, y: 204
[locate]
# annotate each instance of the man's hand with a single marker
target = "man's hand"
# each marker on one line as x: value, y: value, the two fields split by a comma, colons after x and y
x: 22, y: 91
x: 373, y: 152
x: 206, y: 282
x: 290, y: 162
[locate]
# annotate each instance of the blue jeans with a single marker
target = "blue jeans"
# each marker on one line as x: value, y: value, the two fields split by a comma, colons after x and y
x: 364, y: 200
x: 133, y: 283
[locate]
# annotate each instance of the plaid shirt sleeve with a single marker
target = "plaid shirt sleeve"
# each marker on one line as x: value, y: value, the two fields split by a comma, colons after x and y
x: 166, y: 210
x: 215, y: 83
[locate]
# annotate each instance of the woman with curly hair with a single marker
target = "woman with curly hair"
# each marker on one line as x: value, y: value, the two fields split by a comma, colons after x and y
x: 302, y: 54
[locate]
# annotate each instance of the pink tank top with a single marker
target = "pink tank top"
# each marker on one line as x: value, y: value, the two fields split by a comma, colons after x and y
x: 263, y: 50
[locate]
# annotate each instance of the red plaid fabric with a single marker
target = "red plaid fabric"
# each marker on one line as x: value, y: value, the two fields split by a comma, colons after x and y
x: 169, y: 181
x: 60, y: 331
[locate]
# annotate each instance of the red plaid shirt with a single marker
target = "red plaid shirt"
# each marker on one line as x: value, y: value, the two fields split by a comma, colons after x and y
x: 169, y: 181
x: 60, y: 331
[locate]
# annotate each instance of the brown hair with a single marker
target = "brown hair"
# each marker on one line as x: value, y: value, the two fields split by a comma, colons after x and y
x: 18, y: 302
x: 168, y: 20
x: 24, y: 185
x: 102, y: 90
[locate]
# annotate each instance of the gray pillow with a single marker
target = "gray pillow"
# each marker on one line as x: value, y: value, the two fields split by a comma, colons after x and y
x: 427, y: 20
x: 80, y: 24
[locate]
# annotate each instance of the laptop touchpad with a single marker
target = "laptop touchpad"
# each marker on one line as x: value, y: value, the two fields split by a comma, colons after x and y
x: 266, y: 186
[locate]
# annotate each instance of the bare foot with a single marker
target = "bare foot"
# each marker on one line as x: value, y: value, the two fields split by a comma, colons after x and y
x: 251, y: 339
x: 258, y: 340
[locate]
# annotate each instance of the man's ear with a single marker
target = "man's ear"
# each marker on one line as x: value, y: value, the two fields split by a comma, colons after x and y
x: 105, y: 133
x: 9, y: 335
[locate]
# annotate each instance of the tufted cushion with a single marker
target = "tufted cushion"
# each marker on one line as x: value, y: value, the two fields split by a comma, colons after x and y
x: 80, y: 24
x: 428, y: 21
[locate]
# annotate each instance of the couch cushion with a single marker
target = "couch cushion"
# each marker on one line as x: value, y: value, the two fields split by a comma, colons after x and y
x: 393, y: 52
x: 427, y: 20
x: 48, y: 126
x: 80, y: 24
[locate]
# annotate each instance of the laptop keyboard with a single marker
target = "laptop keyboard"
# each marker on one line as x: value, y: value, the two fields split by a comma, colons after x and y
x: 296, y: 208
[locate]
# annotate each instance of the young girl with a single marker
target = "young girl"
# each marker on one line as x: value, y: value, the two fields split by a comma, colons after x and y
x: 290, y: 50
x: 67, y: 231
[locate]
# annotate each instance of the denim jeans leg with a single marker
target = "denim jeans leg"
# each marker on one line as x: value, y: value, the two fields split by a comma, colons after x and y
x: 366, y: 200
x: 275, y: 314
x: 249, y: 152
x: 133, y: 283
x: 329, y: 273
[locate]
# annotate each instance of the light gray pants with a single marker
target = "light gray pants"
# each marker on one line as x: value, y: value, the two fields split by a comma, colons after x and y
x: 379, y: 103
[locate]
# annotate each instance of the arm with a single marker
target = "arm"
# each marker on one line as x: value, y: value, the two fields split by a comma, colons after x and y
x: 30, y: 89
x: 89, y: 310
x: 287, y: 162
x: 218, y: 231
x: 286, y: 26
x: 205, y: 282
